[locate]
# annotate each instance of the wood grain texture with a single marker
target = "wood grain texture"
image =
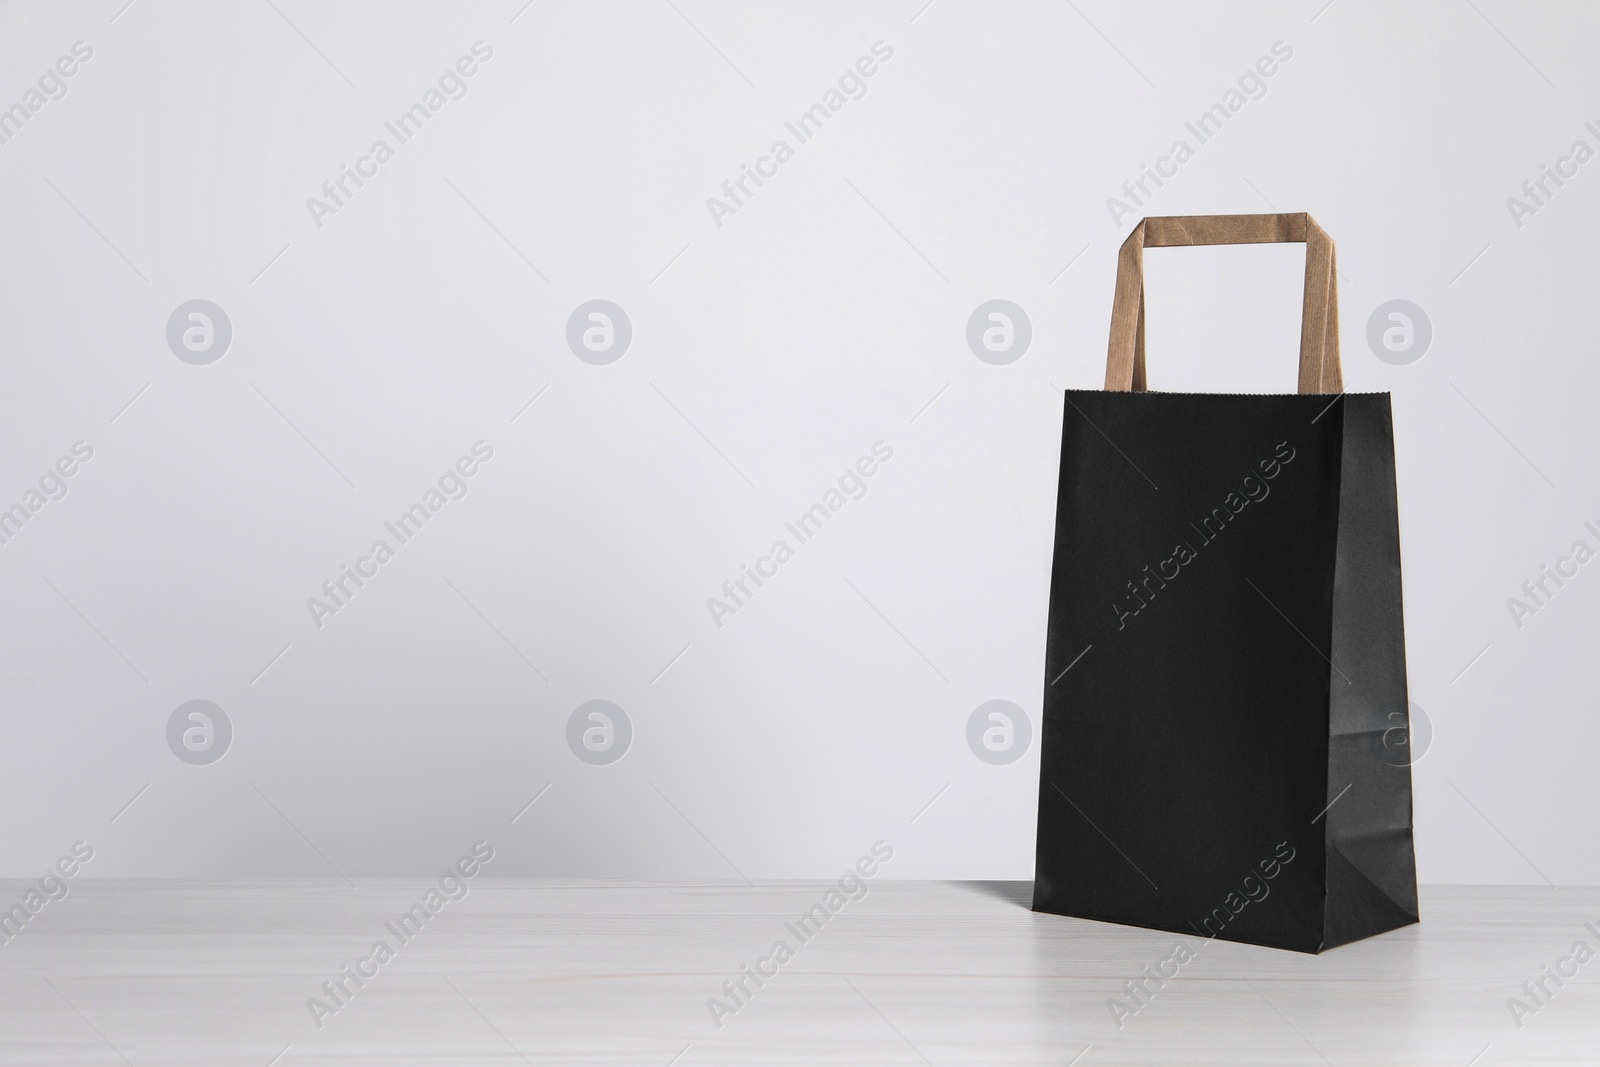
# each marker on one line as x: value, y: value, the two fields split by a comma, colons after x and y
x: 559, y: 972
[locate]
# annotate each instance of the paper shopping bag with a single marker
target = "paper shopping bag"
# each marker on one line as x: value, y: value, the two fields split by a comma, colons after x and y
x: 1225, y: 666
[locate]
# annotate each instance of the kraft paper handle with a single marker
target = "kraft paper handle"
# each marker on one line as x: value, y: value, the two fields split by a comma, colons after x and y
x: 1319, y: 325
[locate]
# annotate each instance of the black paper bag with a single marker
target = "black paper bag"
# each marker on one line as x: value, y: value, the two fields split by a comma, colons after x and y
x: 1225, y: 679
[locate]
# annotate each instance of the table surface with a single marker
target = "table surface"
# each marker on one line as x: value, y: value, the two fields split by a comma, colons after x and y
x: 564, y: 972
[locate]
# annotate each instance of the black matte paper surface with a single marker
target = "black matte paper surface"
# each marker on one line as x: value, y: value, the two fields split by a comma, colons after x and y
x: 1225, y: 713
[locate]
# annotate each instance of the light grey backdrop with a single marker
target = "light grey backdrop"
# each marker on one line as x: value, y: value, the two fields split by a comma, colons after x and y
x: 774, y: 341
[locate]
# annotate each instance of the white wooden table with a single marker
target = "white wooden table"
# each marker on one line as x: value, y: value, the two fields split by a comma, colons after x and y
x: 559, y: 972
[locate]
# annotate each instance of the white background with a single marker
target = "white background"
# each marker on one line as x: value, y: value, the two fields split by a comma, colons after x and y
x: 767, y: 355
